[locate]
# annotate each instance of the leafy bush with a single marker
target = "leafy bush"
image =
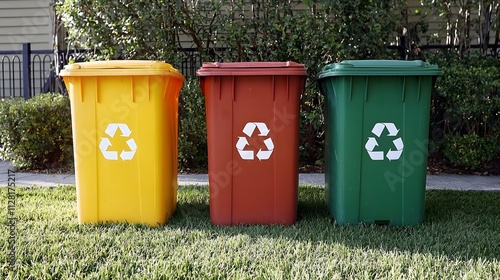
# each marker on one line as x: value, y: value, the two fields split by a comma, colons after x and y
x: 36, y: 133
x: 117, y: 30
x: 464, y: 112
x: 312, y: 138
x: 459, y: 20
x: 260, y: 30
x: 192, y: 127
x: 257, y: 30
x: 469, y: 150
x: 470, y: 100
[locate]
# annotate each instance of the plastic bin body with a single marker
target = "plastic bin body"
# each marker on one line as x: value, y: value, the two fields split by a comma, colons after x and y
x: 124, y: 121
x: 376, y: 136
x: 253, y: 132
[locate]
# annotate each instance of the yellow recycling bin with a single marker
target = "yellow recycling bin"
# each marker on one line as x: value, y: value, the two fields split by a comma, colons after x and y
x: 124, y: 117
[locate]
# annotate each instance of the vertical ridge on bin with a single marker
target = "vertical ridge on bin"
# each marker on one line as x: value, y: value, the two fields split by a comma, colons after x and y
x: 350, y: 89
x: 273, y: 87
x: 132, y: 97
x: 217, y: 83
x: 96, y: 151
x: 275, y: 167
x: 418, y: 87
x: 361, y: 182
x: 287, y: 87
x: 403, y: 93
x: 80, y: 92
x: 96, y: 89
x: 366, y: 88
x: 233, y: 93
x: 138, y: 154
x: 403, y: 183
x: 231, y: 183
x: 175, y: 105
x: 406, y: 98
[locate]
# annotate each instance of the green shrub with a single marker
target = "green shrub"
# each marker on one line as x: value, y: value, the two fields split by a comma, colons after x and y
x: 192, y: 127
x: 311, y: 141
x: 36, y: 133
x: 259, y: 30
x: 470, y: 150
x: 469, y: 101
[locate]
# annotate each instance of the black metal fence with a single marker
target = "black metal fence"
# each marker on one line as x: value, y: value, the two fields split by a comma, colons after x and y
x: 28, y: 72
x: 190, y: 61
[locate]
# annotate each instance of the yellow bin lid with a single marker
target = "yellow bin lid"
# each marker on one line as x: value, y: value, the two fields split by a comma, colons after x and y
x: 121, y: 68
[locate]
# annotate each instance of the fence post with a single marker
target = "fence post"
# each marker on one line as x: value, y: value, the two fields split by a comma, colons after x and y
x: 27, y: 70
x: 403, y: 47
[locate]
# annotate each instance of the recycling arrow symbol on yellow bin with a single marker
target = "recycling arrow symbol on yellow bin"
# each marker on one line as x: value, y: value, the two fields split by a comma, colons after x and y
x: 243, y: 142
x: 106, y: 143
x: 371, y: 143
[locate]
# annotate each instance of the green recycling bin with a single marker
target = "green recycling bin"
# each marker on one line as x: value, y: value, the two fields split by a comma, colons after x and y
x: 376, y: 136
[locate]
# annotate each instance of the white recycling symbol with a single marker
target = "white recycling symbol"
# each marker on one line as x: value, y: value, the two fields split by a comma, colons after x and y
x: 370, y: 145
x: 106, y: 143
x: 243, y: 142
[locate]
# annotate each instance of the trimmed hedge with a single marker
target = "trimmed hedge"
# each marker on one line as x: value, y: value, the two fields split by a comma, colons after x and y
x: 466, y: 111
x: 192, y: 127
x: 36, y: 133
x: 465, y: 122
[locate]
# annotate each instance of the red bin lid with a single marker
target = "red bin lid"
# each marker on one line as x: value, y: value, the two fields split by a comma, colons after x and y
x: 251, y: 69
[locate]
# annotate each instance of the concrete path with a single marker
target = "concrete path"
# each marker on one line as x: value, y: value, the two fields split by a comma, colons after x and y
x: 434, y: 182
x: 440, y: 182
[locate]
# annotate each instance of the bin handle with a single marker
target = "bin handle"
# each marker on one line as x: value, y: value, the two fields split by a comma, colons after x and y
x: 384, y: 63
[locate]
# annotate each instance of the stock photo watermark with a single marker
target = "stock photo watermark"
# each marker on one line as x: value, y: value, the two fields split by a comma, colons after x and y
x: 11, y: 217
x: 408, y: 165
x: 223, y: 178
x: 33, y: 24
x: 121, y: 109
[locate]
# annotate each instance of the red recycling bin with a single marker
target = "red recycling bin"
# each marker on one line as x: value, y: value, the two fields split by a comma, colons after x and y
x: 252, y: 113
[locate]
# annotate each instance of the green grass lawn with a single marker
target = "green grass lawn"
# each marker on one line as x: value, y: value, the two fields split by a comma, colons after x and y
x: 460, y: 239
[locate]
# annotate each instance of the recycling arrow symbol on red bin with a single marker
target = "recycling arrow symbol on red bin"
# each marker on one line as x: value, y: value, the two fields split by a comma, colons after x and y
x: 242, y: 142
x: 371, y: 143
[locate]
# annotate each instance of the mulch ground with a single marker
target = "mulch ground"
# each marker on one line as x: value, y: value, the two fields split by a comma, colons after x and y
x: 436, y: 164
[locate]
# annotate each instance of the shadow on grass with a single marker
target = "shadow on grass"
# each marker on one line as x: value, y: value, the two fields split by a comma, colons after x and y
x: 458, y: 225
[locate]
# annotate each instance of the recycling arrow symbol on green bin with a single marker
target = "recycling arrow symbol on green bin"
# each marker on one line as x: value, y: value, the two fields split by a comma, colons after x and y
x: 371, y: 143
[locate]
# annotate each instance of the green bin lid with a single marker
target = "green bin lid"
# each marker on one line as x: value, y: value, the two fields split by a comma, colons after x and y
x: 379, y: 68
